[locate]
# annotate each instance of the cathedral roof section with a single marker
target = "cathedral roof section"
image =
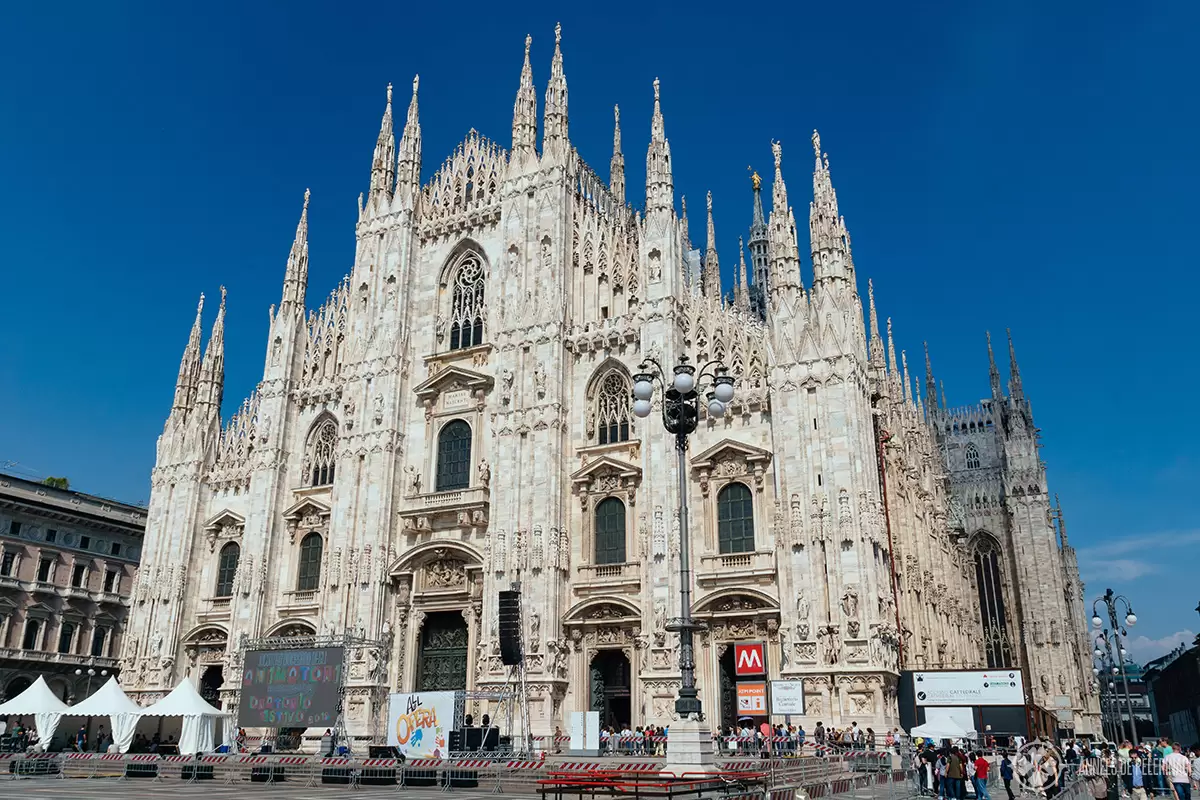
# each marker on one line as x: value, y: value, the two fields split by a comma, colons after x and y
x: 467, y: 183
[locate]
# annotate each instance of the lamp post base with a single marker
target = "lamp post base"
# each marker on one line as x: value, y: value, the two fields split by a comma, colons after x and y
x: 689, y: 748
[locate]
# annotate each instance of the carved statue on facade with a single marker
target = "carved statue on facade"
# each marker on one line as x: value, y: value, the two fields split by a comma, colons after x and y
x: 831, y: 643
x: 539, y: 379
x: 850, y: 602
x: 413, y: 479
x: 535, y: 632
x: 485, y: 472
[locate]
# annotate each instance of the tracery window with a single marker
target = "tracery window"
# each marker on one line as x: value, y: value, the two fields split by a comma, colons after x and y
x: 997, y: 647
x: 610, y: 531
x: 321, y: 453
x: 613, y: 409
x: 972, y: 456
x: 308, y: 579
x: 466, y: 307
x: 735, y: 519
x: 454, y: 457
x: 227, y: 564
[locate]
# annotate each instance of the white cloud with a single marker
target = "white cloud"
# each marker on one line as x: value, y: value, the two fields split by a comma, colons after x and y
x: 1143, y: 649
x: 1132, y: 557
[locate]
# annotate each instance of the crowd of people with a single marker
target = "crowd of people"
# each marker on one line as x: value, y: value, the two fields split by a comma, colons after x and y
x: 1151, y: 769
x: 946, y: 773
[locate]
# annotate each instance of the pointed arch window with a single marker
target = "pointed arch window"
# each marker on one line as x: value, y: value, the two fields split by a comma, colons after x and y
x: 735, y: 519
x: 227, y: 564
x: 612, y: 409
x: 308, y: 579
x: 610, y: 531
x: 454, y: 457
x: 466, y: 305
x: 322, y: 453
x: 997, y: 646
x: 972, y: 456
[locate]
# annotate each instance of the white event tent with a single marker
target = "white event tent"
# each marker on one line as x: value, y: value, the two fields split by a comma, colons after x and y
x: 46, y: 709
x: 112, y: 702
x: 946, y: 723
x: 199, y: 717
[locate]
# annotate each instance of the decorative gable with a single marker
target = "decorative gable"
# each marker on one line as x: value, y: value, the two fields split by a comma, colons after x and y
x: 225, y: 526
x: 308, y: 514
x: 731, y: 460
x: 607, y: 476
x: 453, y: 389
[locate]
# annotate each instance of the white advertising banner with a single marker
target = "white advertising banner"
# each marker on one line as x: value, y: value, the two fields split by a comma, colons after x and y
x: 787, y: 697
x: 419, y: 724
x: 969, y: 688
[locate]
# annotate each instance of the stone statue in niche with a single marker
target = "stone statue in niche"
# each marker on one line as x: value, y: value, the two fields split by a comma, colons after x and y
x: 378, y: 408
x: 803, y: 608
x: 485, y: 472
x: 513, y: 257
x: 506, y: 383
x: 850, y: 602
x: 264, y: 430
x: 833, y: 648
x: 535, y: 632
x: 539, y: 379
x: 413, y: 479
x: 1045, y: 683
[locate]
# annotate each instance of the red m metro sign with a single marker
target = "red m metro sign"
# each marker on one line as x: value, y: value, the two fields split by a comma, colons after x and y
x: 749, y: 658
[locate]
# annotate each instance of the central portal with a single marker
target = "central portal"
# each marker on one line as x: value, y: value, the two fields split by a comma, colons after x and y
x: 612, y: 688
x: 442, y: 660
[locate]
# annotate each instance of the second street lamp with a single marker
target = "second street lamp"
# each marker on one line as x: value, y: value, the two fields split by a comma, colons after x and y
x: 1113, y: 603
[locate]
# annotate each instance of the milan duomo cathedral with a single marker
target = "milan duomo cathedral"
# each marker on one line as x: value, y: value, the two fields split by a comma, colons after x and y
x: 455, y: 418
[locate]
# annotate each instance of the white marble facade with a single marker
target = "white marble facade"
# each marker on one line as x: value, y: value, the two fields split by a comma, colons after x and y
x: 455, y: 418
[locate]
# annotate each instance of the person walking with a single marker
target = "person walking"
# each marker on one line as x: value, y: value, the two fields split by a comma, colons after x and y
x: 955, y: 773
x: 1137, y: 778
x: 1006, y: 774
x: 1178, y: 771
x: 982, y: 766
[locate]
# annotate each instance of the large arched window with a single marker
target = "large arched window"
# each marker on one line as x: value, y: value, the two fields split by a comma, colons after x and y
x: 466, y: 305
x: 735, y: 519
x: 308, y: 579
x: 610, y: 531
x: 997, y: 647
x: 612, y: 412
x: 322, y: 444
x: 972, y: 456
x: 227, y: 564
x: 454, y: 457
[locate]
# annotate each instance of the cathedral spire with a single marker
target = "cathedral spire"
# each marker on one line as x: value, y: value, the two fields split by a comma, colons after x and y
x: 189, y: 366
x: 554, y: 137
x: 781, y: 231
x: 1062, y: 521
x: 930, y: 384
x: 211, y: 386
x: 295, y: 280
x: 1014, y: 372
x: 684, y: 234
x: 994, y: 373
x: 908, y: 398
x: 660, y: 184
x: 891, y: 349
x: 524, y: 138
x: 712, y: 266
x: 827, y: 229
x: 408, y: 163
x: 742, y: 293
x: 616, y: 168
x: 876, y: 341
x: 383, y: 165
x: 759, y: 276
x: 942, y: 386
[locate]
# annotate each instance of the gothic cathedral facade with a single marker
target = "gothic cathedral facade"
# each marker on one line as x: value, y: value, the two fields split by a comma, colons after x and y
x: 455, y: 419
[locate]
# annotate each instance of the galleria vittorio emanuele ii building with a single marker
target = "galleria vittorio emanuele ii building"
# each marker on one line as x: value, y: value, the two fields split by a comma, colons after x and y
x: 456, y: 417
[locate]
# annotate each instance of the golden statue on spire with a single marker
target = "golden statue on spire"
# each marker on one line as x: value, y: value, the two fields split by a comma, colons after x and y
x: 755, y: 181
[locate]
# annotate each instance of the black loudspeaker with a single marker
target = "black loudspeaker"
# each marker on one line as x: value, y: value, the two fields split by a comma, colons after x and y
x: 509, y: 613
x: 456, y: 741
x: 473, y: 739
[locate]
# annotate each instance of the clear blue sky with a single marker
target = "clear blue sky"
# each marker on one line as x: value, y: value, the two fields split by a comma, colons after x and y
x: 1028, y: 165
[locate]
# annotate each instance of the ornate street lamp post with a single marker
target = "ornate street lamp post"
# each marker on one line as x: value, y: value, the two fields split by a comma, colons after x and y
x: 91, y: 673
x: 1112, y: 602
x: 680, y: 415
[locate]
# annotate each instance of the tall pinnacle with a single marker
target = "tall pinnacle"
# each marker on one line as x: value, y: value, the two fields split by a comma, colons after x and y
x: 684, y: 234
x: 876, y: 341
x: 1062, y: 521
x: 408, y: 163
x: 554, y: 139
x: 742, y: 293
x: 189, y: 366
x: 660, y: 184
x: 712, y: 267
x: 616, y: 168
x: 891, y: 348
x: 524, y: 139
x: 930, y: 384
x: 783, y: 252
x: 295, y: 279
x: 384, y: 162
x: 904, y: 375
x: 1014, y: 379
x: 993, y: 372
x: 211, y: 385
x: 827, y: 229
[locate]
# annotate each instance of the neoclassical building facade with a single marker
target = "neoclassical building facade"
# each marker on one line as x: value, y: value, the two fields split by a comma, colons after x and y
x: 455, y: 419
